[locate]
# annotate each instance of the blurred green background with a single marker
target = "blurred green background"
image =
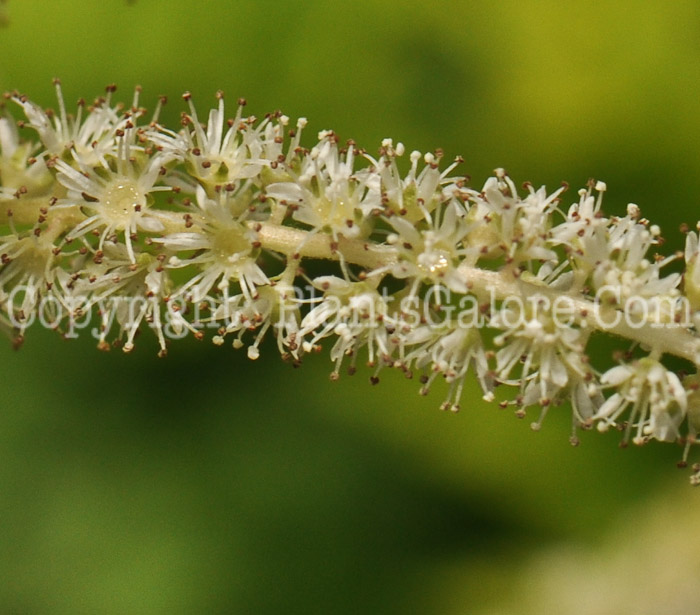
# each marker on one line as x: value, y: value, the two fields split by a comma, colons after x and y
x: 205, y: 483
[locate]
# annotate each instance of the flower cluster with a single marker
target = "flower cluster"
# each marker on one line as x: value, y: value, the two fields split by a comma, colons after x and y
x: 214, y: 226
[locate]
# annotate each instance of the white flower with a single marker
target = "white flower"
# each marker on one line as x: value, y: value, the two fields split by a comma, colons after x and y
x: 19, y: 171
x: 126, y: 294
x: 274, y: 306
x: 357, y: 314
x: 117, y: 198
x: 223, y: 151
x: 655, y: 396
x: 418, y: 193
x: 30, y: 272
x: 224, y: 249
x: 92, y: 137
x: 691, y: 279
x: 691, y: 383
x: 629, y: 279
x: 551, y: 353
x: 581, y: 232
x: 451, y: 354
x: 231, y: 152
x: 610, y: 255
x: 509, y: 225
x: 431, y: 255
x: 326, y: 194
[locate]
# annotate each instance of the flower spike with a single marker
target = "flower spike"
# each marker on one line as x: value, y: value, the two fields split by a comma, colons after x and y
x: 209, y: 229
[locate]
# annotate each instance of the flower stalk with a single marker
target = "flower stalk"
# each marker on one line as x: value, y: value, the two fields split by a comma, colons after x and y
x: 209, y: 228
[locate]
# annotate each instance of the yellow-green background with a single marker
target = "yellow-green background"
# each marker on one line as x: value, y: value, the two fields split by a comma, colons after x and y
x: 204, y: 483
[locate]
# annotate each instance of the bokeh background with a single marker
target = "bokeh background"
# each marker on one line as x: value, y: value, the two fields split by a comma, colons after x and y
x: 205, y: 483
